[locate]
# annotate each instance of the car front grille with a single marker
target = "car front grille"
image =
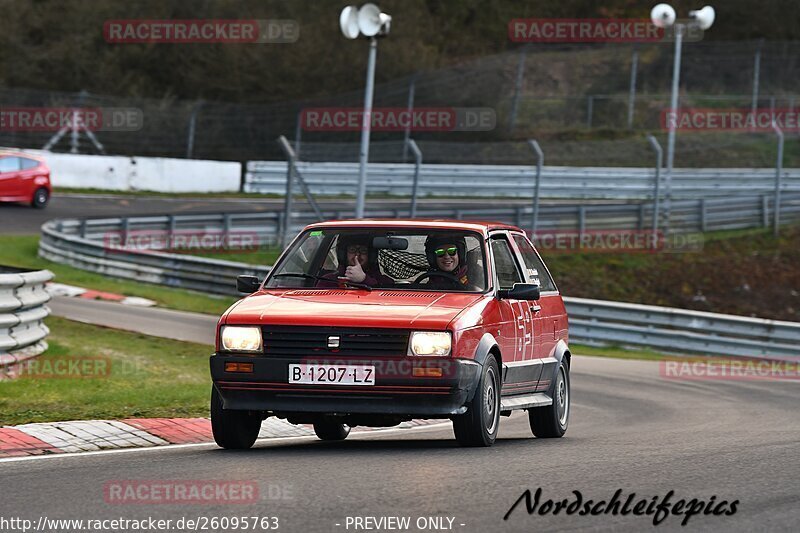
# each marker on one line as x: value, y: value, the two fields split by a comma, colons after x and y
x: 320, y: 341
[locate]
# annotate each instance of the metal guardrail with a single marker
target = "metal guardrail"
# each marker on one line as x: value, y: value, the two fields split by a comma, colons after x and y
x: 22, y: 311
x: 599, y: 322
x: 81, y: 243
x: 269, y: 177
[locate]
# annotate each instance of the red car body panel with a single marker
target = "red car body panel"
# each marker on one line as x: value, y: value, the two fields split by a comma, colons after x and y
x: 21, y: 184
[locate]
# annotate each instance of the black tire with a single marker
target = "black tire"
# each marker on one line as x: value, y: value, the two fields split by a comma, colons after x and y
x: 233, y: 430
x: 330, y: 430
x: 480, y: 424
x: 40, y: 198
x: 552, y: 421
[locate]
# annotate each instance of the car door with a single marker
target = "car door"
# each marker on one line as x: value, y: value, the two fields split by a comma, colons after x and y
x: 550, y: 316
x: 10, y: 179
x: 517, y: 344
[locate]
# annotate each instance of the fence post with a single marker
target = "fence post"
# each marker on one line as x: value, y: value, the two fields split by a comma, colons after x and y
x: 192, y: 128
x: 512, y: 119
x: 287, y: 201
x: 589, y: 111
x: 632, y: 91
x: 539, y: 162
x: 581, y: 223
x: 765, y: 211
x: 642, y: 207
x: 415, y: 185
x: 291, y: 156
x: 778, y: 172
x: 756, y: 76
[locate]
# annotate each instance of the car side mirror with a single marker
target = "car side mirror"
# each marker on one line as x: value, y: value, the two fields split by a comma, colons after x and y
x: 520, y: 291
x: 247, y: 284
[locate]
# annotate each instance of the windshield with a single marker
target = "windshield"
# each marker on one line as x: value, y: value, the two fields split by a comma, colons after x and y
x: 417, y: 259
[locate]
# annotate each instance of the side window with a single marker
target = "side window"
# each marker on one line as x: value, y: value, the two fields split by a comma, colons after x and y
x: 507, y: 272
x: 534, y: 265
x: 9, y: 164
x: 26, y: 164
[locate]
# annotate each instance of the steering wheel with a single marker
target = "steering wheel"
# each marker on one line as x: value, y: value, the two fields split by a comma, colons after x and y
x: 437, y: 273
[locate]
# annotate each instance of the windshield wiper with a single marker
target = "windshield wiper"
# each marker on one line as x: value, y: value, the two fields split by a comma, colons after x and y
x: 319, y: 278
x: 298, y: 275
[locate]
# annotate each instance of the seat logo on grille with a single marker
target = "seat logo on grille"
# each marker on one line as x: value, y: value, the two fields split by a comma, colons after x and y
x: 333, y: 341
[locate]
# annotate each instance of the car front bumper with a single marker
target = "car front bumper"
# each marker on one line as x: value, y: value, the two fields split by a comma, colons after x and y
x: 396, y: 391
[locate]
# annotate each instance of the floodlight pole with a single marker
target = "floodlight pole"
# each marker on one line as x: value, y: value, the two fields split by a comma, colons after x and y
x: 676, y: 76
x: 366, y: 124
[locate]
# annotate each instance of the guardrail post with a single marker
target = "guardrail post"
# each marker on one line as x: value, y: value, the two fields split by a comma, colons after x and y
x: 226, y: 228
x: 82, y: 228
x: 778, y: 172
x: 459, y: 214
x: 703, y: 215
x: 518, y: 217
x: 539, y: 162
x: 657, y: 181
x: 415, y: 184
x: 642, y: 207
x: 581, y: 223
x: 764, y: 211
x: 170, y: 230
x: 125, y: 226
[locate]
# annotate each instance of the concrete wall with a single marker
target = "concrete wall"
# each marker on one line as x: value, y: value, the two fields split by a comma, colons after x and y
x: 120, y: 173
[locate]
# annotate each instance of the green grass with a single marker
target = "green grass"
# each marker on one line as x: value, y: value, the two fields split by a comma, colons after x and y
x: 617, y: 352
x: 149, y: 377
x: 262, y: 256
x: 21, y: 250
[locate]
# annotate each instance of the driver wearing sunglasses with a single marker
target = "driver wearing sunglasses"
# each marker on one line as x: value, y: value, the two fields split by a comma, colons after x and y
x: 447, y: 255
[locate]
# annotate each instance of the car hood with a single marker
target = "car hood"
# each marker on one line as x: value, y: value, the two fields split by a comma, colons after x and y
x: 348, y: 308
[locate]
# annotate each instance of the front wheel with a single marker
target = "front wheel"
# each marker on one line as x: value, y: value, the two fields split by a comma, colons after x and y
x: 479, y: 425
x: 233, y: 430
x: 552, y: 421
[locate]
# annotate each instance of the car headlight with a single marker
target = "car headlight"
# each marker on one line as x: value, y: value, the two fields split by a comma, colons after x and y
x: 241, y: 339
x: 430, y: 343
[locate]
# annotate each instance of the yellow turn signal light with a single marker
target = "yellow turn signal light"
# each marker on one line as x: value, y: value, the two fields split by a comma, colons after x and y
x: 422, y: 372
x: 238, y: 367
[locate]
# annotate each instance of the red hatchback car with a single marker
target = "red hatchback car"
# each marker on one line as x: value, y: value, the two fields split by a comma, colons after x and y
x: 24, y: 178
x: 375, y: 322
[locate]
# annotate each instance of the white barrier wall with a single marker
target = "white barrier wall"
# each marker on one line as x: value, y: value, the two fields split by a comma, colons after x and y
x: 161, y: 174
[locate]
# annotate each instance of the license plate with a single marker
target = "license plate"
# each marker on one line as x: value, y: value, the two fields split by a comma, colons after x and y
x: 332, y: 374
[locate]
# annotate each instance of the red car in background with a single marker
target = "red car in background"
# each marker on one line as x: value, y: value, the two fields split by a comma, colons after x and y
x: 24, y: 178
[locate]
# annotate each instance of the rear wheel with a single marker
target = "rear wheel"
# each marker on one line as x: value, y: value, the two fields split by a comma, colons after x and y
x: 233, y: 430
x: 330, y: 430
x: 479, y: 425
x: 552, y: 421
x: 40, y: 198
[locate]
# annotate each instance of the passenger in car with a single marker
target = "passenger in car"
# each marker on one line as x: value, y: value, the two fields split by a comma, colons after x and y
x: 358, y: 263
x: 447, y: 255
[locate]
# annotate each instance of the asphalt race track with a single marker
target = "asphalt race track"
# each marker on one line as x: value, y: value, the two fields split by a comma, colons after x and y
x: 630, y: 429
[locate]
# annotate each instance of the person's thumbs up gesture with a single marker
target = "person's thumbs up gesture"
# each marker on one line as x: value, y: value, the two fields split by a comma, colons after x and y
x: 354, y: 272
